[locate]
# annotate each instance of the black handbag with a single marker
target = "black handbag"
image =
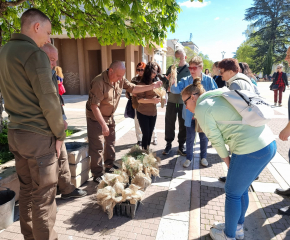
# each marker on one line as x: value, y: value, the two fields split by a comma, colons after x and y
x: 129, y: 110
x: 274, y: 87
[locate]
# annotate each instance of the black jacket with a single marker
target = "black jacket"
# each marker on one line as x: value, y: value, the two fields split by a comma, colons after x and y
x: 284, y: 77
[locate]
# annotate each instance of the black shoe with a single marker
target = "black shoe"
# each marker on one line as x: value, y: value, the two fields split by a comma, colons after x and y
x: 181, y: 151
x: 112, y: 169
x: 139, y: 143
x: 167, y: 149
x: 97, y: 180
x: 58, y: 191
x: 77, y: 193
x: 284, y: 210
x: 222, y: 179
x: 283, y: 192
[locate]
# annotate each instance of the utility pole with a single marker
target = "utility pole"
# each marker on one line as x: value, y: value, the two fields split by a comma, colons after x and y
x: 174, y: 41
x: 223, y: 54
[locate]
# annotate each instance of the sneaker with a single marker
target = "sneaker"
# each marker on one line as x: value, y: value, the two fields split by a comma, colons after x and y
x: 204, y: 162
x: 155, y: 141
x: 112, y: 169
x: 77, y: 193
x: 284, y: 211
x: 186, y: 163
x: 167, y: 149
x: 139, y: 143
x: 222, y: 179
x: 280, y: 104
x: 239, y: 232
x: 181, y: 151
x: 217, y: 234
x: 97, y: 180
x: 275, y: 104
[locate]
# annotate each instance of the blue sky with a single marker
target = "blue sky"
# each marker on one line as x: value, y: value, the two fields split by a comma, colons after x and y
x: 216, y: 25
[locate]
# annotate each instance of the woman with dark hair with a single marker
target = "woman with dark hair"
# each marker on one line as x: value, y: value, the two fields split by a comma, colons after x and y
x: 245, y: 69
x: 206, y: 72
x: 217, y: 77
x: 147, y: 111
x: 252, y: 149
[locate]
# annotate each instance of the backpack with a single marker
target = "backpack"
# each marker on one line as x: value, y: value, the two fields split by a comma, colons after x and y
x: 254, y: 110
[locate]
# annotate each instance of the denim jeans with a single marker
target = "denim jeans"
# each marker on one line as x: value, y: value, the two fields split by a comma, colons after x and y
x: 242, y: 172
x: 190, y: 136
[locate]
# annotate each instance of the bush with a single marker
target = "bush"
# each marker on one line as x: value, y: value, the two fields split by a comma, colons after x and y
x: 5, y: 154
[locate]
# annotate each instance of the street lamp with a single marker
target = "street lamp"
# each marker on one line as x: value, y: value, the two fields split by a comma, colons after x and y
x: 223, y: 54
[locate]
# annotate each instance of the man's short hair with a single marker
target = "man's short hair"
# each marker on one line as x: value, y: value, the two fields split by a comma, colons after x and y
x: 279, y: 66
x: 180, y: 51
x: 117, y: 64
x: 31, y: 16
x: 197, y: 60
x: 48, y: 47
x: 216, y: 64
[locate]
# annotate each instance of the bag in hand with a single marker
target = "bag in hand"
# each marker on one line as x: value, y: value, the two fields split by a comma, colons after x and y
x: 129, y: 111
x: 274, y: 87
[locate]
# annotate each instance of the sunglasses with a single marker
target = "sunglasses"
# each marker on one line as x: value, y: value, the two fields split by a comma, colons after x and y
x: 140, y: 70
x: 185, y: 102
x: 193, y: 68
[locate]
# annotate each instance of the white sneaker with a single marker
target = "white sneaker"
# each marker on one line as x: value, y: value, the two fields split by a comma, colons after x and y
x: 204, y: 162
x: 275, y: 104
x: 239, y: 232
x: 186, y: 163
x: 217, y: 234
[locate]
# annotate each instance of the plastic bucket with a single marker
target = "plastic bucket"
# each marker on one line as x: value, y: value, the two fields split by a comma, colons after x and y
x: 7, y: 202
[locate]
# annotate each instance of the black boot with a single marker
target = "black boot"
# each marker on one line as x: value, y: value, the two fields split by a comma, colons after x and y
x: 167, y: 149
x: 283, y: 192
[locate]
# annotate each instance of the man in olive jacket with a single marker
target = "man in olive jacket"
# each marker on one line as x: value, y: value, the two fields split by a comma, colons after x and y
x: 36, y: 128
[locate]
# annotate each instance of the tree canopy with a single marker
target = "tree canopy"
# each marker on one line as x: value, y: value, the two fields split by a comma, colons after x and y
x: 133, y: 22
x: 270, y: 20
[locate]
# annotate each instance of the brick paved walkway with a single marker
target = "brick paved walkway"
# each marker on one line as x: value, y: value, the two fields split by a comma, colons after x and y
x: 182, y: 203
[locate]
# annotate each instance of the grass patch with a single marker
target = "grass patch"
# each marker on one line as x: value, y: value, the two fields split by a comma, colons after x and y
x: 5, y: 154
x: 70, y: 132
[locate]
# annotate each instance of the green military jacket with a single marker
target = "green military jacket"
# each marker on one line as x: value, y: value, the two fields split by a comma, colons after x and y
x: 29, y: 94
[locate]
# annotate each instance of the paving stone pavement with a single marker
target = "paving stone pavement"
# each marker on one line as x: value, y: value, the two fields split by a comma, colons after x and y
x: 161, y: 211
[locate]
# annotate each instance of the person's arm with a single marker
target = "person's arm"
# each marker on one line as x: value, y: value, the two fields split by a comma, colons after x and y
x: 209, y: 126
x: 98, y: 115
x: 154, y: 100
x: 145, y: 88
x: 38, y: 71
x: 179, y: 87
x: 134, y: 89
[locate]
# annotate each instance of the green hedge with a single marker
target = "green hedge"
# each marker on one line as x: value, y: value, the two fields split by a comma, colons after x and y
x: 5, y: 154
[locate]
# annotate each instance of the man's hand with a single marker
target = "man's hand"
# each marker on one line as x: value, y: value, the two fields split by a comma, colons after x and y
x: 157, y: 84
x: 105, y: 130
x: 156, y: 100
x: 65, y: 124
x: 58, y: 145
x: 284, y: 134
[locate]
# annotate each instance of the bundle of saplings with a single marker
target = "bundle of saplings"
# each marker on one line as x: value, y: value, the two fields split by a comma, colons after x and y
x: 128, y: 184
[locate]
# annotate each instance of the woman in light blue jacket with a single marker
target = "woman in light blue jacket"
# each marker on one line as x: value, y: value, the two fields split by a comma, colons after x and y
x: 195, y: 68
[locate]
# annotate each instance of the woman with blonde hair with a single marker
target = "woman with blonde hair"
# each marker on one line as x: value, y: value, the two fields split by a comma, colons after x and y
x: 59, y: 77
x: 252, y: 149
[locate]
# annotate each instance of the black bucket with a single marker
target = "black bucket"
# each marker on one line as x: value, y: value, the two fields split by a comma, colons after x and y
x: 7, y: 202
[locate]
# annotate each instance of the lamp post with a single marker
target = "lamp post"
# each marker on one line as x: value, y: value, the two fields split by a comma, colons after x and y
x: 223, y: 54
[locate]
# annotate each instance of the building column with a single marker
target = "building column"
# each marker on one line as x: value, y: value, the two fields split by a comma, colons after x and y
x: 104, y: 56
x: 164, y: 63
x: 81, y: 63
x: 129, y: 58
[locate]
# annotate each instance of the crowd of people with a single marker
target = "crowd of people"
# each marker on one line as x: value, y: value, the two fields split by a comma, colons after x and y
x: 31, y: 85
